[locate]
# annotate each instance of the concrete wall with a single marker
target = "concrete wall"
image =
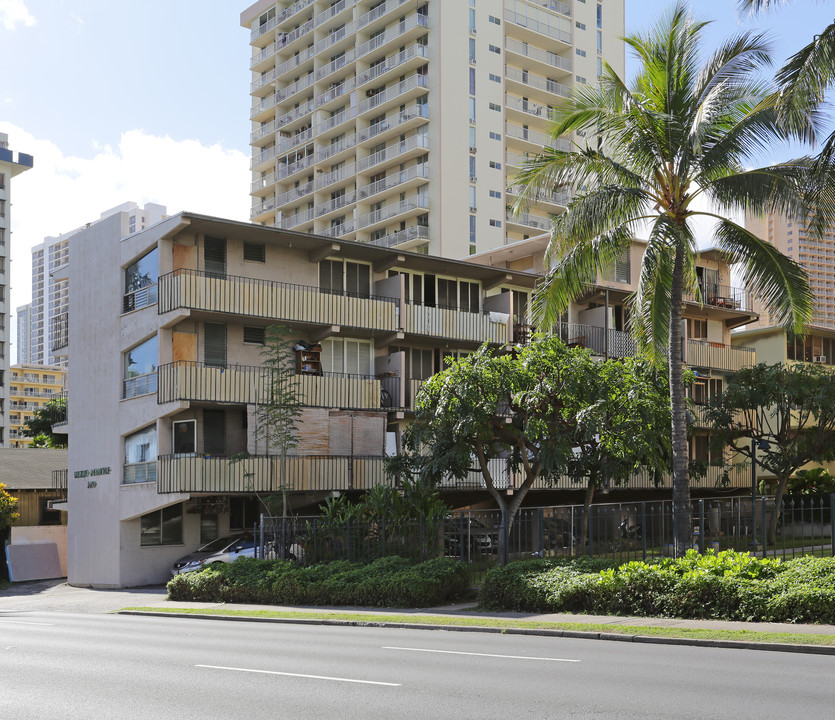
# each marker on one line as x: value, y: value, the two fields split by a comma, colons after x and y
x: 44, y: 534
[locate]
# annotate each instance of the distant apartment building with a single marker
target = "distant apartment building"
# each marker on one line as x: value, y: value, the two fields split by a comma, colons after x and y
x: 31, y: 387
x: 24, y: 333
x: 817, y: 256
x: 48, y: 309
x: 402, y: 123
x: 11, y: 164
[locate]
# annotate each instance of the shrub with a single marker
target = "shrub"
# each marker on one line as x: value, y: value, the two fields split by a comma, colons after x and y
x: 387, y: 582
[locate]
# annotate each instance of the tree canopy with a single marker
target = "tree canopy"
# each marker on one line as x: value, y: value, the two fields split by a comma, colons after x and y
x: 39, y: 428
x: 8, y: 508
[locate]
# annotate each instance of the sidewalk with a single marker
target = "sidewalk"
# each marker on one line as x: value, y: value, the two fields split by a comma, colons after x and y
x: 57, y: 596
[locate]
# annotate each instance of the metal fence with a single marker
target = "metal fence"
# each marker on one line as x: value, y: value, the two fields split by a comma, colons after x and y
x: 617, y: 531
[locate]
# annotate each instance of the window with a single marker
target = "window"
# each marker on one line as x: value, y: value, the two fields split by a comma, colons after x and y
x: 581, y: 79
x: 347, y: 356
x: 580, y: 26
x: 495, y: 136
x: 599, y: 15
x: 599, y: 41
x: 214, y: 256
x: 338, y: 277
x: 495, y: 78
x: 493, y: 19
x: 162, y: 527
x: 472, y: 110
x: 214, y: 344
x: 495, y: 49
x: 472, y: 168
x: 140, y: 369
x: 472, y: 50
x: 581, y: 53
x: 185, y: 437
x: 141, y: 282
x: 141, y: 456
x: 255, y: 335
x: 255, y: 252
x: 495, y: 165
x: 472, y: 228
x: 472, y: 198
x: 495, y: 194
x: 696, y: 328
x: 621, y: 271
x: 495, y: 106
x: 495, y: 223
x: 472, y: 81
x: 472, y: 20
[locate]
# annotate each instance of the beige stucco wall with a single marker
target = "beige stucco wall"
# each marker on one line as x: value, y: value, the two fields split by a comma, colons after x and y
x: 44, y: 534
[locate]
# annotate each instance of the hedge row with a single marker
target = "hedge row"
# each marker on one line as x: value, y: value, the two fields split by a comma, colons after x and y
x: 726, y: 586
x: 387, y: 582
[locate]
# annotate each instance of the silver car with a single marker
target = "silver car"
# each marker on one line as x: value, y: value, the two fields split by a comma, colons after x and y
x: 223, y: 550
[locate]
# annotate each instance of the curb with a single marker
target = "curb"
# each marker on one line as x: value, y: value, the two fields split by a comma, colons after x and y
x: 575, y: 634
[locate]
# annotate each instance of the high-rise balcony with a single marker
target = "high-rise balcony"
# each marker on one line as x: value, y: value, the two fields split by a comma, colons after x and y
x: 294, y: 195
x: 527, y: 110
x: 251, y: 384
x: 349, y: 142
x: 529, y: 81
x: 335, y: 37
x: 604, y: 342
x: 408, y: 239
x: 264, y: 207
x: 395, y: 123
x: 331, y: 124
x: 333, y: 66
x: 412, y: 176
x: 378, y: 13
x: 410, y: 28
x: 341, y: 230
x: 286, y: 94
x: 324, y: 180
x: 257, y: 33
x: 300, y: 218
x: 287, y: 170
x: 538, y: 28
x: 400, y: 151
x: 263, y: 133
x: 453, y: 323
x: 299, y: 138
x: 268, y: 299
x: 535, y: 138
x: 400, y: 210
x: 263, y: 473
x: 290, y: 12
x: 262, y: 60
x: 409, y: 89
x: 262, y: 82
x: 333, y: 11
x: 544, y: 57
x: 560, y: 198
x: 262, y: 108
x: 400, y: 62
x: 336, y: 204
x: 287, y: 118
x: 336, y: 92
x: 529, y: 220
x: 289, y: 65
x: 294, y: 37
x: 718, y: 356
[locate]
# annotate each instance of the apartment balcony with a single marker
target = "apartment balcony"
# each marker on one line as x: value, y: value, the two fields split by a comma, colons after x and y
x: 324, y: 72
x: 559, y: 199
x: 453, y: 323
x: 263, y: 83
x: 325, y: 180
x: 260, y: 473
x: 398, y: 211
x: 527, y: 220
x: 529, y: 83
x: 288, y: 118
x: 346, y: 144
x: 541, y: 30
x: 408, y: 29
x: 335, y: 93
x: 263, y: 108
x: 525, y: 111
x: 723, y: 297
x: 295, y: 39
x: 290, y: 12
x: 718, y: 356
x: 137, y: 299
x: 412, y: 87
x: 606, y: 343
x: 286, y: 144
x: 296, y: 61
x: 263, y: 133
x: 333, y: 39
x: 295, y: 195
x: 332, y: 124
x: 333, y: 11
x: 287, y: 94
x: 395, y: 123
x: 343, y: 230
x: 410, y: 58
x: 271, y: 300
x: 60, y: 331
x: 260, y: 34
x: 400, y: 152
x: 285, y: 171
x: 404, y: 179
x: 139, y: 385
x: 548, y: 62
x: 299, y: 218
x: 245, y: 384
x: 266, y: 207
x: 336, y: 204
x: 381, y: 12
x: 262, y: 60
x: 533, y: 140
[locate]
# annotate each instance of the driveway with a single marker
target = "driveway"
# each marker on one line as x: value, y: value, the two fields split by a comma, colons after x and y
x: 57, y: 596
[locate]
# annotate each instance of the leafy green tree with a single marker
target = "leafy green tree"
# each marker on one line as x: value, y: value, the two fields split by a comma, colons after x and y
x: 786, y: 411
x: 39, y: 427
x: 8, y: 509
x: 676, y: 138
x: 543, y: 411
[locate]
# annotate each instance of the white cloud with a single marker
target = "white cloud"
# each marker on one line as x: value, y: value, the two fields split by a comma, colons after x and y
x: 62, y: 193
x: 13, y: 12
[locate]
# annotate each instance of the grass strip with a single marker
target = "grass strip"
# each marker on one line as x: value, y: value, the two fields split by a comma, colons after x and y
x: 492, y: 622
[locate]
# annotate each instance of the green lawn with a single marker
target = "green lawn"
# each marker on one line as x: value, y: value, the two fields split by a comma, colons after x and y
x: 506, y: 623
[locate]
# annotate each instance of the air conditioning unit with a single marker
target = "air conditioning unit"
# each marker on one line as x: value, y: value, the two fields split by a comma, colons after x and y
x: 819, y: 358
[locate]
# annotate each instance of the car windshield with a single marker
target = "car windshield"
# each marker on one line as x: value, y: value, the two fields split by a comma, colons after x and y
x: 219, y: 544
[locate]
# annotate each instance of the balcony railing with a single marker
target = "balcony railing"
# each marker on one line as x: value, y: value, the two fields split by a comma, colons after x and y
x: 346, y: 143
x: 389, y: 211
x: 415, y: 142
x: 284, y: 170
x: 337, y: 203
x: 394, y: 120
x: 535, y: 53
x: 295, y: 194
x: 335, y: 65
x: 139, y: 298
x: 140, y: 473
x: 378, y: 12
x: 139, y: 385
x: 340, y: 230
x: 538, y: 26
x: 540, y: 139
x: 288, y: 12
x: 535, y: 221
x: 60, y: 331
x: 410, y: 234
x: 395, y: 91
x: 59, y: 479
x: 392, y: 33
x: 340, y: 175
x: 398, y: 178
x: 299, y: 218
x: 336, y: 92
x: 334, y: 10
x: 454, y: 324
x: 334, y: 37
x: 611, y: 343
x: 393, y: 62
x: 310, y: 473
x: 246, y: 384
x: 722, y: 296
x: 526, y: 106
x: 196, y: 290
x: 718, y: 356
x: 336, y: 120
x: 537, y: 81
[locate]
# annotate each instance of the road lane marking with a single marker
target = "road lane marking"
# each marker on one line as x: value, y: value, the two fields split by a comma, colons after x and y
x: 24, y: 622
x: 460, y: 652
x: 300, y: 675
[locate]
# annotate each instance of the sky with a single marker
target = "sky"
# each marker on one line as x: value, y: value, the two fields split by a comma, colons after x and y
x: 148, y: 101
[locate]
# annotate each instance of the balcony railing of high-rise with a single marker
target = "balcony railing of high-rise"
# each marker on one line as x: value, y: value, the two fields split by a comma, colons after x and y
x: 409, y: 235
x: 535, y: 53
x: 250, y: 297
x: 453, y: 322
x: 395, y: 31
x: 541, y: 23
x: 252, y: 384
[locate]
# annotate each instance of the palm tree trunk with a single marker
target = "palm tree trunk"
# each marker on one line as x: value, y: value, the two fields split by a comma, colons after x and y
x: 681, y: 481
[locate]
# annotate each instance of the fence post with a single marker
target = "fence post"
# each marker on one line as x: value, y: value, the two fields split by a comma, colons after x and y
x: 315, y: 548
x: 259, y: 550
x: 505, y: 537
x: 540, y: 549
x: 701, y: 526
x: 765, y: 529
x: 383, y: 533
x: 644, y: 531
x: 348, y: 537
x: 420, y: 540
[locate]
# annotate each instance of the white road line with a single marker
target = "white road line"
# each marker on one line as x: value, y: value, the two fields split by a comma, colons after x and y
x: 24, y: 622
x: 459, y: 652
x: 300, y: 675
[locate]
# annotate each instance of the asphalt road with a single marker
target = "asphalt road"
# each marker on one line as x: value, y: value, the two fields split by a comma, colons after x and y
x: 64, y: 665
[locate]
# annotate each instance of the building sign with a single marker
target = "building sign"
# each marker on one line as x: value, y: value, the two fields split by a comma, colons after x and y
x: 92, y: 471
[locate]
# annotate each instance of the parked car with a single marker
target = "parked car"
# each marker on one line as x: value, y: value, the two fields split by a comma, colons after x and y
x: 223, y: 550
x: 465, y: 536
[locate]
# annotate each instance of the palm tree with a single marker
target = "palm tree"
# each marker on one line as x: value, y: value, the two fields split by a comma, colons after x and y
x: 680, y: 131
